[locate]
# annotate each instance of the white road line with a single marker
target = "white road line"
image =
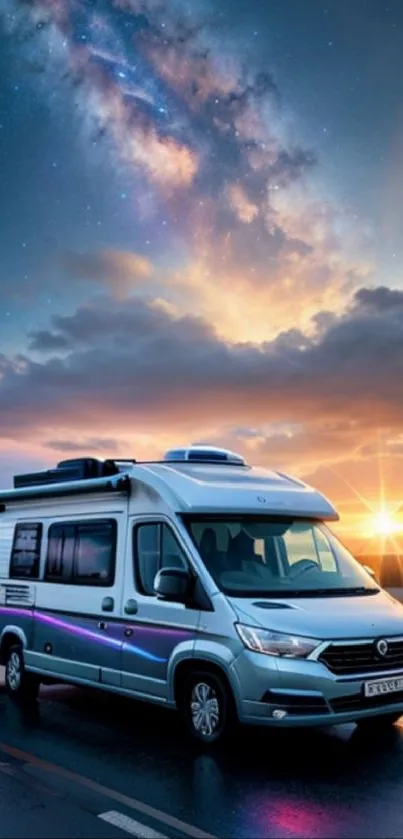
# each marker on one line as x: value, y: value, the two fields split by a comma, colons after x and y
x: 132, y: 803
x: 130, y: 825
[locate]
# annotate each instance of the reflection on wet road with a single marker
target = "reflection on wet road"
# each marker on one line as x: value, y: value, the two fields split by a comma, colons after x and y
x: 325, y: 783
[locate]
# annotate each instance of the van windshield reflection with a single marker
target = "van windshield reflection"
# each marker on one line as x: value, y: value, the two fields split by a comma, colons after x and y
x: 249, y: 557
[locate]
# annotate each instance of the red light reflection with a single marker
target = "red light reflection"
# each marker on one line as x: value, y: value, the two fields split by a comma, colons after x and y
x: 298, y: 817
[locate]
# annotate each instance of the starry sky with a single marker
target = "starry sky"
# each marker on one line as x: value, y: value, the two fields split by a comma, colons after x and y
x: 201, y: 208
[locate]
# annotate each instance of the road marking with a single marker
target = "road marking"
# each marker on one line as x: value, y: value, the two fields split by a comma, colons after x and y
x: 126, y: 800
x: 130, y: 825
x: 15, y: 772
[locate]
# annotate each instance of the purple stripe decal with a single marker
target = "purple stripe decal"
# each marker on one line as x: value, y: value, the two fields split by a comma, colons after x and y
x: 87, y: 633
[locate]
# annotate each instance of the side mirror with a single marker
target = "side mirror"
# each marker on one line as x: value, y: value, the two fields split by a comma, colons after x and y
x: 370, y: 571
x: 173, y: 584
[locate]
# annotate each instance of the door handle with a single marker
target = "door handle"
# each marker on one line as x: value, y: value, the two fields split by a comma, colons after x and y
x: 131, y: 607
x: 102, y: 625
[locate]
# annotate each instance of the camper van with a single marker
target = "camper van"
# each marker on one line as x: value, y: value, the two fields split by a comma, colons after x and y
x: 199, y: 583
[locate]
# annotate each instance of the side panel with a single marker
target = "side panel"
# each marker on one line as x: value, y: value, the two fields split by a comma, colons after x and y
x: 158, y: 632
x: 73, y: 633
x: 74, y: 644
x: 164, y: 632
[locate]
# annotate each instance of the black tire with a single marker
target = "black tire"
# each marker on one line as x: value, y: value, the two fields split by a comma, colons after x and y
x: 21, y: 686
x: 382, y: 723
x: 217, y: 713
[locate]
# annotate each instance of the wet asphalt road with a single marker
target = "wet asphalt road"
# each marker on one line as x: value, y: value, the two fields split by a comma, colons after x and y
x: 30, y: 810
x: 323, y: 783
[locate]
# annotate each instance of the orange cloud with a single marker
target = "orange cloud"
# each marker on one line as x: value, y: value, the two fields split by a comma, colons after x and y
x: 254, y: 296
x: 120, y: 271
x: 118, y: 361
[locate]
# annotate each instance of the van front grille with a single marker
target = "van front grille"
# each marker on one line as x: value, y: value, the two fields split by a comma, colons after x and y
x: 346, y: 659
x: 359, y: 702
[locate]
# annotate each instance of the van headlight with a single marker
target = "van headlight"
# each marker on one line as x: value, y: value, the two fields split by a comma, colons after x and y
x: 275, y: 643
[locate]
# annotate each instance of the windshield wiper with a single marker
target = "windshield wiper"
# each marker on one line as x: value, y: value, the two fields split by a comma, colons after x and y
x: 277, y: 594
x: 360, y: 590
x: 335, y: 592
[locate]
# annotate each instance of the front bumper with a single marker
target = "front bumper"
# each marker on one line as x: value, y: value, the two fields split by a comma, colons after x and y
x: 299, y: 692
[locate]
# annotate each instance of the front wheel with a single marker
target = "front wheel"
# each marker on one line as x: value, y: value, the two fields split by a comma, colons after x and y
x: 20, y: 685
x: 208, y: 707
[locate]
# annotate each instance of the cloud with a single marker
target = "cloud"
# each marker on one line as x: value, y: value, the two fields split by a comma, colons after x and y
x: 379, y: 300
x: 87, y: 445
x: 45, y: 341
x: 136, y: 365
x: 120, y: 271
x: 296, y: 447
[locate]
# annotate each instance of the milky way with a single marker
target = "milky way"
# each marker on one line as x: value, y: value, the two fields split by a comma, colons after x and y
x: 206, y: 134
x: 183, y: 257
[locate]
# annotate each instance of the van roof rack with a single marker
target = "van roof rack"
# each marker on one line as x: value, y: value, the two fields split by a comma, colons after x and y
x: 90, y: 468
x: 77, y: 469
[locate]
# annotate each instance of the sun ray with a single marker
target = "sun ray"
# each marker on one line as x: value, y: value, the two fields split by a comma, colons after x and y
x: 366, y: 503
x: 383, y: 523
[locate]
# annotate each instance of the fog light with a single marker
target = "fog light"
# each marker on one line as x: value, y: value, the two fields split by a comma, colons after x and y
x: 279, y: 714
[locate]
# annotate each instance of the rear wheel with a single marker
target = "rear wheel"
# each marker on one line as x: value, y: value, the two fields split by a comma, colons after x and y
x: 20, y: 685
x: 208, y: 707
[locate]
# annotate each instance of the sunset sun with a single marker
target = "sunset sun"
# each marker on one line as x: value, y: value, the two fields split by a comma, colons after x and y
x: 384, y: 524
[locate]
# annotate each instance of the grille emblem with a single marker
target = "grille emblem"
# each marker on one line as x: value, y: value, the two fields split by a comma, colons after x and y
x: 381, y: 648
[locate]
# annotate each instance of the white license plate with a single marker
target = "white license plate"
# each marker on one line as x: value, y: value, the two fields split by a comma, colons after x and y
x: 380, y: 687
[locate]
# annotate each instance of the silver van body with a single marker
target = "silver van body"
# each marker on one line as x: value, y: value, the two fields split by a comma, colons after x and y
x: 311, y: 657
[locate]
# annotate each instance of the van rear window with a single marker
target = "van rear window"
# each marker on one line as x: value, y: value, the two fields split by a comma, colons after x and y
x: 26, y: 550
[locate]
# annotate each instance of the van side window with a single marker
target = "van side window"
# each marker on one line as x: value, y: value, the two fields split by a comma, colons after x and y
x: 147, y: 556
x: 154, y: 547
x: 59, y: 561
x: 26, y: 550
x: 82, y: 553
x: 95, y: 551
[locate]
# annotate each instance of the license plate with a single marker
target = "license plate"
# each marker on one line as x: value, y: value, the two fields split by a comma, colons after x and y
x: 383, y: 686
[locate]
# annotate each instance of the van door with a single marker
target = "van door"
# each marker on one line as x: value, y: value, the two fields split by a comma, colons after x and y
x: 154, y: 629
x: 77, y: 632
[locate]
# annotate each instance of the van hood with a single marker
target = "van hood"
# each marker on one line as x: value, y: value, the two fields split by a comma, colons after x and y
x: 324, y: 618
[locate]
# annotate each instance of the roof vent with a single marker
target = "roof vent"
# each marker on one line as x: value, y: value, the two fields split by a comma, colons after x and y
x: 80, y: 469
x: 204, y: 454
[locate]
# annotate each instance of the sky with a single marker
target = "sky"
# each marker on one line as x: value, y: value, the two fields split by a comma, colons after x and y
x: 201, y: 207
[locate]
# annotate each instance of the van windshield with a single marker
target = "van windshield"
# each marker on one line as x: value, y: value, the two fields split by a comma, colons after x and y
x: 249, y: 557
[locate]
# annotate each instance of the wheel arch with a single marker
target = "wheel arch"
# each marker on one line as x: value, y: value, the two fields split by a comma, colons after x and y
x: 187, y: 666
x: 10, y: 636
